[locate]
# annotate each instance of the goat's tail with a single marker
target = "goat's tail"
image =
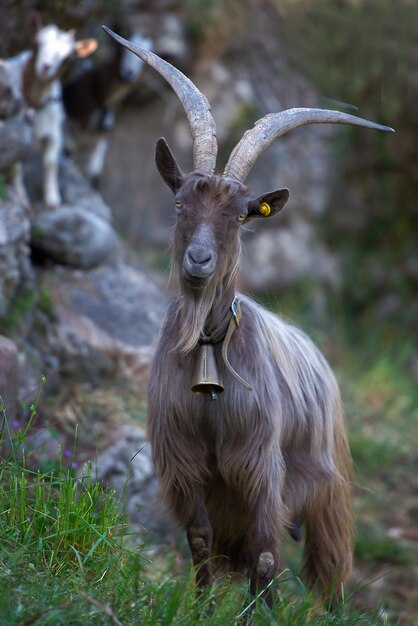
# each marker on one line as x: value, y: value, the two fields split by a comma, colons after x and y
x: 329, y: 526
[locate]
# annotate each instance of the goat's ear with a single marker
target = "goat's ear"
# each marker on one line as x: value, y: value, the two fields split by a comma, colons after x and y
x: 167, y: 166
x: 34, y: 22
x: 85, y: 47
x: 268, y: 204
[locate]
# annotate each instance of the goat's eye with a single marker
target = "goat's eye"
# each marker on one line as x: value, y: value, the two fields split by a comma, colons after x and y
x: 241, y: 217
x: 179, y: 205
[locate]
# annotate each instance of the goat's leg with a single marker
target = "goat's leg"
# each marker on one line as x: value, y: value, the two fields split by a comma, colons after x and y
x: 96, y: 161
x: 51, y: 150
x: 263, y: 570
x: 264, y: 563
x: 199, y: 536
x: 329, y: 540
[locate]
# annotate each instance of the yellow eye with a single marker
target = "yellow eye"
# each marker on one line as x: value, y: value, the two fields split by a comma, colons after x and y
x: 179, y: 204
x: 241, y: 217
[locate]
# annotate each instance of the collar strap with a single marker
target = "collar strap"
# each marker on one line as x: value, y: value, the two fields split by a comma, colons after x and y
x: 219, y: 335
x: 224, y: 335
x: 232, y: 326
x: 47, y: 101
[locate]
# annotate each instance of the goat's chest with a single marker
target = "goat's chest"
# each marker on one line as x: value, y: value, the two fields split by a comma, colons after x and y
x: 49, y: 117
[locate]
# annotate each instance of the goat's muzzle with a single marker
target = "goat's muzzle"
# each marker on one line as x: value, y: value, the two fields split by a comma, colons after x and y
x: 199, y: 260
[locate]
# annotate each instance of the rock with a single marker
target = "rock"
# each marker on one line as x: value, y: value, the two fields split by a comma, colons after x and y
x: 126, y: 466
x: 77, y: 191
x: 170, y: 39
x: 9, y: 374
x: 46, y: 444
x: 15, y: 140
x: 102, y: 323
x: 15, y: 268
x: 10, y: 103
x: 277, y: 258
x: 73, y: 236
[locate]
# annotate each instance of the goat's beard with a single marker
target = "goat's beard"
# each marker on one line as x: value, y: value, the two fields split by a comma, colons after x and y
x: 195, y: 305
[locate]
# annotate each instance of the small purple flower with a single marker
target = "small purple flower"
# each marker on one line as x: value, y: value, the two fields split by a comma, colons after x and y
x: 68, y: 453
x: 74, y: 465
x: 15, y: 424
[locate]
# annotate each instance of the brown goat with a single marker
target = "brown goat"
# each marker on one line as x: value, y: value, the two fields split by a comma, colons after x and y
x: 241, y: 471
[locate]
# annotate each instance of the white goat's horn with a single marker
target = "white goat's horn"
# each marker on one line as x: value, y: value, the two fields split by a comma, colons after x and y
x: 195, y: 104
x: 274, y: 125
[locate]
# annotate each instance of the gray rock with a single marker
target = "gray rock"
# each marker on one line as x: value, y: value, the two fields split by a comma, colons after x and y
x: 77, y: 191
x: 15, y: 140
x: 102, y: 323
x: 9, y: 374
x: 15, y: 269
x: 277, y: 258
x: 126, y: 466
x: 73, y: 236
x: 170, y: 39
x: 10, y: 103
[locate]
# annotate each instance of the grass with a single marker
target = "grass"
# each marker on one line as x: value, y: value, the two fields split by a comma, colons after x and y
x: 66, y: 557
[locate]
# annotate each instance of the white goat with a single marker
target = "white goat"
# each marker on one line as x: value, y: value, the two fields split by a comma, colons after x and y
x: 35, y: 78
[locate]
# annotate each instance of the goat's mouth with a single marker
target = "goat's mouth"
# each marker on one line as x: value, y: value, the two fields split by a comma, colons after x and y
x: 196, y: 281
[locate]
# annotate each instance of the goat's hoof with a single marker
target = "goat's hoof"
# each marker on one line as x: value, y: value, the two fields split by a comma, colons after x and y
x: 200, y: 548
x: 265, y: 564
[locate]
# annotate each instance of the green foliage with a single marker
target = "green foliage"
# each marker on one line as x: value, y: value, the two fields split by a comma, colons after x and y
x: 375, y: 547
x: 369, y: 61
x: 3, y: 189
x: 64, y: 560
x: 22, y: 306
x: 60, y: 519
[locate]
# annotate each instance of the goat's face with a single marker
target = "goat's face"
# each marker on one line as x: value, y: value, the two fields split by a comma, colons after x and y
x: 210, y: 211
x: 54, y: 47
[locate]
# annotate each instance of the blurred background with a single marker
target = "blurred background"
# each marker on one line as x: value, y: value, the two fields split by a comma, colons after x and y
x: 341, y: 261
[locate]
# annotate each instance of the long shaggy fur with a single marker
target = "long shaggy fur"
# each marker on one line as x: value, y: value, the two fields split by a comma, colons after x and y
x: 239, y: 471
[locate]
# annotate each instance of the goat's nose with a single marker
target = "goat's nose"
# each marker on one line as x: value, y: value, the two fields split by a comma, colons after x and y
x: 45, y: 68
x: 199, y: 256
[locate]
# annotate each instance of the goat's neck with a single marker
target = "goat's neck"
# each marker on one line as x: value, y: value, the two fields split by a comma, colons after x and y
x: 204, y: 313
x: 218, y: 315
x: 35, y: 91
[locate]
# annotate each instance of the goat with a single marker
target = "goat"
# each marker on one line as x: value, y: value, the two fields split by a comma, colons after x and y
x: 271, y: 452
x: 91, y: 99
x: 36, y: 77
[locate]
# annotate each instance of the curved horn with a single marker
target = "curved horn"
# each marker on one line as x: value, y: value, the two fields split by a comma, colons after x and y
x: 195, y: 104
x: 274, y: 125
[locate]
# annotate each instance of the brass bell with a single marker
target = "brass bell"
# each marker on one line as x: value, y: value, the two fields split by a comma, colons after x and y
x: 206, y: 379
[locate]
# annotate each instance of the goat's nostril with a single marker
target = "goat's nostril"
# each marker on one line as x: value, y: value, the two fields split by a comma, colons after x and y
x: 199, y: 257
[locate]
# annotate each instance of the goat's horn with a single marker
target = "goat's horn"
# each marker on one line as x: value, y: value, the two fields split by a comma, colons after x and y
x: 195, y: 104
x: 274, y: 125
